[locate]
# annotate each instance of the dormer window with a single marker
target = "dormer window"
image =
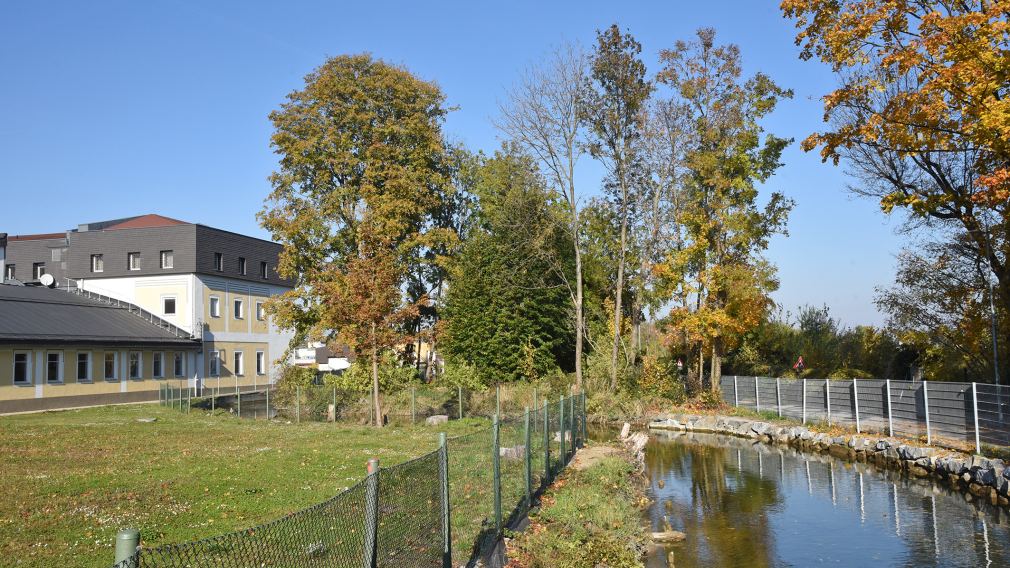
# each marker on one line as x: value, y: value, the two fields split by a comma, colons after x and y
x: 133, y: 260
x: 218, y: 262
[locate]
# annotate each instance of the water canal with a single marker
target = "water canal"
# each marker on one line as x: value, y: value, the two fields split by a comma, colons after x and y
x: 755, y: 505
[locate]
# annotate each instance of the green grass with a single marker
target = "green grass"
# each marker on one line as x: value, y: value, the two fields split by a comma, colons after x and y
x: 72, y: 479
x: 588, y: 518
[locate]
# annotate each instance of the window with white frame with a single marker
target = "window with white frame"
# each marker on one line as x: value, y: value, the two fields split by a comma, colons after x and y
x: 264, y: 270
x: 239, y: 309
x: 239, y: 363
x: 38, y: 269
x: 215, y: 363
x: 168, y: 305
x: 260, y: 312
x: 215, y: 307
x: 54, y: 366
x: 136, y: 365
x: 261, y: 363
x: 84, y: 366
x: 110, y: 365
x: 179, y: 364
x: 167, y: 259
x: 241, y: 266
x: 97, y: 263
x: 56, y: 254
x: 158, y: 365
x: 22, y: 367
x: 133, y: 260
x: 218, y: 262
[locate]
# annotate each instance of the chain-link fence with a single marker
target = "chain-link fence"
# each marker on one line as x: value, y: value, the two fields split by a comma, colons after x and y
x: 444, y: 508
x: 940, y: 412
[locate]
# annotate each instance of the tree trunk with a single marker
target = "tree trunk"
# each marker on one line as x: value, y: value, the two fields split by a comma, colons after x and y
x: 701, y: 365
x: 620, y: 283
x: 579, y: 317
x: 716, y: 369
x: 375, y: 381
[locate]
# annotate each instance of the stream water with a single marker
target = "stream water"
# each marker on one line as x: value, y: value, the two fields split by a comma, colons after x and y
x: 754, y: 505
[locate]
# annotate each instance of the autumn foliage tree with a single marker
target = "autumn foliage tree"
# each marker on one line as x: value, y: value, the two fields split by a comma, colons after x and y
x: 361, y: 160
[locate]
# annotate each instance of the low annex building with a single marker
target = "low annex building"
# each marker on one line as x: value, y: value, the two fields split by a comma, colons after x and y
x: 59, y: 349
x: 209, y: 283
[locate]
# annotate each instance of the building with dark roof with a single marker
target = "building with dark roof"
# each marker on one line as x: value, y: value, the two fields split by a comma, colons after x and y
x: 63, y: 348
x: 210, y: 283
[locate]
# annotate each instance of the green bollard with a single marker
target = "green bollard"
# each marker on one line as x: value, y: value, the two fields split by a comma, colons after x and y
x: 127, y: 542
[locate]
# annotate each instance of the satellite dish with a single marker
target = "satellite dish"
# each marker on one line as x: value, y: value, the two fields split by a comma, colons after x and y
x: 47, y: 280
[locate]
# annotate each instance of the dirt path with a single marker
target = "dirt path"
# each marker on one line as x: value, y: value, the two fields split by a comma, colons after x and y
x: 587, y: 457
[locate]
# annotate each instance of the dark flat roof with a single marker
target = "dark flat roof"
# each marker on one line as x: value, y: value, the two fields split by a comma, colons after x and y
x: 33, y: 314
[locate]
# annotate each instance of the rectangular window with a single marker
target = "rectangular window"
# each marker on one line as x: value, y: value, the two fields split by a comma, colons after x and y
x: 241, y: 266
x: 239, y: 312
x: 168, y: 306
x: 179, y: 365
x: 167, y: 259
x: 215, y: 363
x: 10, y: 272
x: 97, y: 263
x: 158, y: 365
x: 38, y: 269
x: 239, y: 360
x: 83, y: 366
x: 263, y: 270
x: 136, y: 364
x: 110, y: 365
x: 261, y: 363
x: 215, y: 307
x: 22, y: 367
x: 133, y: 260
x: 260, y: 312
x: 56, y: 255
x: 54, y: 366
x: 218, y: 262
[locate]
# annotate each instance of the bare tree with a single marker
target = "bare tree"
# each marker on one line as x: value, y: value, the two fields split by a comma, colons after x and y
x: 542, y: 114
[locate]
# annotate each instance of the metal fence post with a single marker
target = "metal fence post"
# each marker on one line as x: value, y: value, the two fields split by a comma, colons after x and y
x: 413, y: 405
x: 778, y: 395
x: 371, y: 514
x: 803, y: 385
x: 571, y: 423
x: 443, y: 470
x: 268, y: 401
x: 925, y: 404
x: 827, y: 398
x: 497, y: 400
x: 562, y: 454
x: 298, y: 404
x: 460, y: 402
x: 189, y: 398
x: 495, y: 429
x: 974, y: 404
x: 127, y: 542
x: 736, y: 394
x: 855, y: 397
x: 527, y: 454
x: 535, y: 393
x: 213, y: 401
x: 547, y: 444
x: 334, y: 406
x: 585, y: 430
x: 239, y: 404
x: 890, y: 420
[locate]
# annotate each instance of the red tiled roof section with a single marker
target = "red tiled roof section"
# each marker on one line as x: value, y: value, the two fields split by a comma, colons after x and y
x: 146, y: 222
x: 37, y: 237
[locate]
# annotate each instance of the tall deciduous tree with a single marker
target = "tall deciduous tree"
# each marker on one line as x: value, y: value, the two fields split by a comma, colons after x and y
x: 720, y: 265
x: 542, y: 114
x: 612, y: 107
x: 361, y: 153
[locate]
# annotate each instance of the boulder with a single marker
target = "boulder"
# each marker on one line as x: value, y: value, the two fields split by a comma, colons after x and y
x: 625, y: 430
x: 436, y: 420
x: 668, y: 536
x: 513, y: 453
x: 761, y: 428
x: 147, y: 420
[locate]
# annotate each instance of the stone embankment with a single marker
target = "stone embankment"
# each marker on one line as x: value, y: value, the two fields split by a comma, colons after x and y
x: 982, y: 477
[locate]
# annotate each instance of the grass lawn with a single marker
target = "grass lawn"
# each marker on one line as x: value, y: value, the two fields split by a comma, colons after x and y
x: 72, y: 479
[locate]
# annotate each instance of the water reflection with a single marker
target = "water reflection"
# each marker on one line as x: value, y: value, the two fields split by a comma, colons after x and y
x: 745, y: 504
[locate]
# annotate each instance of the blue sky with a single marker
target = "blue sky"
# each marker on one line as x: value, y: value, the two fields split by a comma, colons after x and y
x: 123, y: 108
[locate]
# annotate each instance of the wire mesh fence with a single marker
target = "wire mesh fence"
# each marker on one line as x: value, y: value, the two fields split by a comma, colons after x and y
x: 444, y: 508
x: 940, y: 412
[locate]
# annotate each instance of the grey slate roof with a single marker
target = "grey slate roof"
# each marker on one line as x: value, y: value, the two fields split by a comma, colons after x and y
x: 33, y: 314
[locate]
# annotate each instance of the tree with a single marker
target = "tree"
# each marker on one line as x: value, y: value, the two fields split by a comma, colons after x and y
x: 542, y: 114
x: 507, y: 310
x: 719, y: 267
x: 361, y: 153
x: 612, y: 107
x: 922, y: 114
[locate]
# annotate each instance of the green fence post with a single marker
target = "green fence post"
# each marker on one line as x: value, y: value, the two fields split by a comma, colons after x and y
x: 413, y: 412
x: 527, y: 453
x: 495, y: 428
x: 497, y: 400
x: 562, y: 454
x: 213, y: 402
x: 460, y: 402
x: 547, y: 443
x: 334, y: 406
x: 127, y: 542
x: 571, y: 423
x: 443, y: 470
x: 268, y: 401
x: 585, y: 429
x: 239, y: 404
x: 298, y: 404
x: 535, y: 405
x: 371, y: 514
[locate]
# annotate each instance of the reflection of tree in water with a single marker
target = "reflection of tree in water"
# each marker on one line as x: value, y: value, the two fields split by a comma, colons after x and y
x: 726, y: 519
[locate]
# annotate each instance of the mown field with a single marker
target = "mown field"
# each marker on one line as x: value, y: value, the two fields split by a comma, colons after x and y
x: 72, y: 479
